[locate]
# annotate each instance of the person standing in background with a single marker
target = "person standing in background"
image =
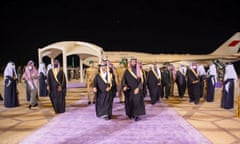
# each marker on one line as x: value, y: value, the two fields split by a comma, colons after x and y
x: 19, y: 73
x: 166, y: 82
x: 229, y: 82
x: 91, y: 72
x: 211, y: 82
x: 202, y: 76
x: 154, y: 84
x: 172, y: 72
x: 193, y: 84
x: 10, y: 86
x: 181, y: 80
x: 42, y: 79
x: 120, y: 71
x: 145, y: 74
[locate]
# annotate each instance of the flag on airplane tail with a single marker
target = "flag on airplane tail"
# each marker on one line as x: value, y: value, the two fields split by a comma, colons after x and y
x: 234, y: 43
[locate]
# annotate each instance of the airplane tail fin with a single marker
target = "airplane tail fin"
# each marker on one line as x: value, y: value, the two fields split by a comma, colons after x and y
x: 230, y: 47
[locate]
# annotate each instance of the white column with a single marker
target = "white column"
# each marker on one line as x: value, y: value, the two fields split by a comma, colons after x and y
x: 65, y: 64
x: 52, y: 61
x: 39, y: 56
x: 81, y: 69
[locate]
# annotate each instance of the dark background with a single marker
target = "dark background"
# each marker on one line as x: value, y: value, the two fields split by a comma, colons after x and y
x: 170, y: 26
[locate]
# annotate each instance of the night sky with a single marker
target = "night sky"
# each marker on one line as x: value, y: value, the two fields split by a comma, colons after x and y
x: 169, y: 26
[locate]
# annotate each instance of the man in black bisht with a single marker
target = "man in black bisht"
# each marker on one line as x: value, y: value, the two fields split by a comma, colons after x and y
x: 57, y: 87
x: 103, y: 85
x: 166, y: 82
x: 112, y: 70
x: 154, y: 84
x: 181, y: 80
x: 193, y: 84
x: 228, y: 91
x: 211, y: 82
x: 10, y: 86
x: 132, y: 83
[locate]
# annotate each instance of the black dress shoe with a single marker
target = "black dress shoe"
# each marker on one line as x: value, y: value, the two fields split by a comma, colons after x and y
x: 35, y: 105
x: 29, y: 106
x: 89, y: 103
x: 137, y: 119
x: 106, y: 118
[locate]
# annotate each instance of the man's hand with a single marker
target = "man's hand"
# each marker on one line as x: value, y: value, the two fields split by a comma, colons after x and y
x: 108, y: 89
x: 194, y: 82
x: 136, y: 91
x: 125, y: 88
x: 94, y: 89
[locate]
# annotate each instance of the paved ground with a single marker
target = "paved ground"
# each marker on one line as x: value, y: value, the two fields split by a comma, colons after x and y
x: 218, y: 125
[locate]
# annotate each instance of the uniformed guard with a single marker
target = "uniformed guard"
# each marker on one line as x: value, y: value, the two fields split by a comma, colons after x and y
x: 120, y: 71
x: 91, y: 72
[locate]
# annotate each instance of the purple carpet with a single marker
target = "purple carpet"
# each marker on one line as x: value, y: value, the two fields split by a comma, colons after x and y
x: 76, y: 85
x: 218, y: 84
x: 161, y: 125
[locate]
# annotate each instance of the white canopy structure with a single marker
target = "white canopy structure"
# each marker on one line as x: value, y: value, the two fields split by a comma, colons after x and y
x: 84, y: 50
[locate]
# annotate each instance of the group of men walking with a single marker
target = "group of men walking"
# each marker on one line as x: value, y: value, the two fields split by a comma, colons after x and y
x: 135, y: 83
x: 130, y: 82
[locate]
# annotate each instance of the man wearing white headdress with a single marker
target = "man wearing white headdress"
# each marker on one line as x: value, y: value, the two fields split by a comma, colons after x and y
x: 10, y: 86
x: 181, y: 80
x: 211, y: 82
x: 49, y: 67
x: 103, y: 88
x: 193, y: 84
x: 42, y: 80
x: 202, y: 75
x: 229, y: 82
x: 154, y: 83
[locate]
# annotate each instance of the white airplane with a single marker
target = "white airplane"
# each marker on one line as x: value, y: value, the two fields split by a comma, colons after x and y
x: 229, y: 51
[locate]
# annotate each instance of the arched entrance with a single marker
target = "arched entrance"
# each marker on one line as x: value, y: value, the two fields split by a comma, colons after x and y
x: 84, y: 50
